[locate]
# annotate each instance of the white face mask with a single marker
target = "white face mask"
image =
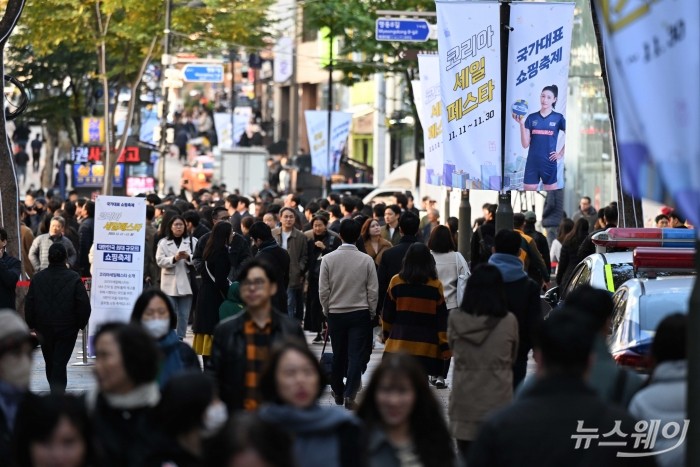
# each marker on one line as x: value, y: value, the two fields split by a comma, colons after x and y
x: 157, y: 327
x: 16, y: 370
x: 214, y: 419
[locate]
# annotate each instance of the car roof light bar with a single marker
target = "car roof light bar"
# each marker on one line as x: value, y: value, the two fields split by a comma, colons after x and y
x: 632, y: 238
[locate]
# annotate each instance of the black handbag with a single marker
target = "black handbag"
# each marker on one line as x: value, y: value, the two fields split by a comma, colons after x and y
x: 326, y: 359
x: 194, y: 277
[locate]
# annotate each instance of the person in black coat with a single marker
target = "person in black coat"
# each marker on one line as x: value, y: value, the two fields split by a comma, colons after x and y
x: 57, y: 307
x: 392, y: 259
x: 277, y: 257
x: 483, y: 238
x: 10, y: 272
x: 86, y: 234
x: 259, y: 323
x: 568, y: 257
x: 559, y: 420
x: 610, y: 218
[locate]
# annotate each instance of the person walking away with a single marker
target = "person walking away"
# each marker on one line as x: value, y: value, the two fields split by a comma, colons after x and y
x: 294, y: 242
x: 566, y: 226
x: 214, y: 288
x: 483, y: 337
x: 375, y: 245
x: 10, y: 273
x: 552, y: 214
x: 538, y: 237
x: 320, y: 243
x: 535, y: 267
x: 291, y: 387
x: 242, y: 345
x: 522, y: 296
x: 278, y: 258
x: 664, y: 397
x: 414, y: 319
x: 57, y: 306
x: 543, y: 428
x: 154, y: 311
x: 233, y: 303
x: 347, y: 290
x: 21, y: 161
x: 39, y: 251
x: 452, y: 271
x: 568, y: 258
x: 15, y: 373
x: 173, y: 255
x: 403, y: 419
x: 86, y: 234
x: 36, y: 145
x: 121, y: 406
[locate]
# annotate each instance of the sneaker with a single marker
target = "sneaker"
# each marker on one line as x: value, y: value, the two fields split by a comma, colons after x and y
x: 432, y: 380
x: 318, y: 339
x: 339, y: 400
x: 350, y: 404
x: 440, y: 383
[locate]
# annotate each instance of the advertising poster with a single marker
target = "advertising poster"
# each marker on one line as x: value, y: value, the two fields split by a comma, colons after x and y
x: 470, y: 82
x: 317, y: 131
x: 653, y: 67
x: 117, y: 278
x: 430, y: 114
x: 92, y: 175
x: 222, y: 123
x: 538, y: 72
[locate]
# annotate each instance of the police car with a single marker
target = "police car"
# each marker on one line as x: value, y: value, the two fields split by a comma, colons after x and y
x: 640, y: 304
x: 611, y: 266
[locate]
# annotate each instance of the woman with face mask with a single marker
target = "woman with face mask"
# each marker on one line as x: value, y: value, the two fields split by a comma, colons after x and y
x: 154, y: 311
x: 403, y: 419
x: 121, y: 407
x: 52, y: 431
x: 291, y: 387
x: 188, y: 417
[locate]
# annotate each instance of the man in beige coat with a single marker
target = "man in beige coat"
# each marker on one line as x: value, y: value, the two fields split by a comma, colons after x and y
x: 293, y: 240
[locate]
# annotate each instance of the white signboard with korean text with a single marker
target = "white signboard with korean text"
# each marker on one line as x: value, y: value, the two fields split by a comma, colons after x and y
x: 430, y: 114
x: 539, y: 48
x: 470, y: 81
x: 118, y: 258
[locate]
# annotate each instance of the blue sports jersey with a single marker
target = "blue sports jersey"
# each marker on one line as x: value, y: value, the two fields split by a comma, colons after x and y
x: 544, y: 132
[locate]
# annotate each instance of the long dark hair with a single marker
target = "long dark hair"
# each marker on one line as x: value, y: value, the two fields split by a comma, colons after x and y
x: 169, y: 229
x: 218, y: 239
x: 578, y: 234
x: 485, y: 294
x: 429, y: 432
x: 143, y: 301
x: 565, y: 226
x: 418, y: 265
x: 268, y: 383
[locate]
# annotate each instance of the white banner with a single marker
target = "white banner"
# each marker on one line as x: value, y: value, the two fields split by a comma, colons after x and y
x: 282, y: 67
x: 117, y: 278
x: 470, y: 80
x: 222, y: 122
x: 430, y: 113
x: 538, y: 73
x: 317, y: 131
x: 653, y: 65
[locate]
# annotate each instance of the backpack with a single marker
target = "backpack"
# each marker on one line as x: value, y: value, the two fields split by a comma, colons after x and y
x: 486, y: 244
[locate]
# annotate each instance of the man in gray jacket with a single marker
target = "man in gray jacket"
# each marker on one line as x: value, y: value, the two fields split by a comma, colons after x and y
x: 39, y: 251
x: 293, y: 240
x: 347, y: 290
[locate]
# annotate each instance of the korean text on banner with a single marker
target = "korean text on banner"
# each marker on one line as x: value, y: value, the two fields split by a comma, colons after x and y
x: 538, y: 73
x: 222, y: 122
x: 470, y: 81
x: 317, y: 131
x: 117, y: 279
x: 430, y: 114
x: 653, y: 67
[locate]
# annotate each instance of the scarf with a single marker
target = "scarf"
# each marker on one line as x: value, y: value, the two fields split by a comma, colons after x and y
x: 172, y: 362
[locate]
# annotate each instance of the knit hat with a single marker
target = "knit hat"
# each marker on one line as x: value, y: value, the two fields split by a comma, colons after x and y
x: 530, y: 216
x: 13, y: 329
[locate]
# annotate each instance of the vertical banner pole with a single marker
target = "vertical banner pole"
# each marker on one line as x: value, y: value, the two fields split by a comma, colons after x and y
x: 504, y: 212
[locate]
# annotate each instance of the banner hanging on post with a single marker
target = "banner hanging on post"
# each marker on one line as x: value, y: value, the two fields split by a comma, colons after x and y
x: 222, y: 123
x: 317, y: 131
x: 653, y: 67
x: 539, y: 48
x: 470, y: 82
x: 430, y: 113
x: 117, y: 278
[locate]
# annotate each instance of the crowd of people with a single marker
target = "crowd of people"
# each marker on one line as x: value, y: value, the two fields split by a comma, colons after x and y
x: 247, y: 391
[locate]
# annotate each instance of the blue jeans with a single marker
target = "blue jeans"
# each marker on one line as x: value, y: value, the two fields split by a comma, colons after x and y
x: 295, y: 303
x: 350, y: 339
x: 182, y: 305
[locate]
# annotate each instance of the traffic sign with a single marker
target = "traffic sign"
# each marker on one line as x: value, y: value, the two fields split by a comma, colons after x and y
x: 203, y: 73
x: 402, y: 30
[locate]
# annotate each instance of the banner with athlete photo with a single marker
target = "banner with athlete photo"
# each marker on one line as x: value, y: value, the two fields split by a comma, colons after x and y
x: 653, y: 67
x: 539, y: 48
x: 429, y: 104
x: 118, y: 258
x: 317, y: 131
x: 470, y: 83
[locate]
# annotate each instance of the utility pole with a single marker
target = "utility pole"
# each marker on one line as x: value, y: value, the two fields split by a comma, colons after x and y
x: 329, y: 156
x: 167, y: 62
x: 294, y: 91
x: 504, y: 212
x: 379, y: 143
x: 232, y: 59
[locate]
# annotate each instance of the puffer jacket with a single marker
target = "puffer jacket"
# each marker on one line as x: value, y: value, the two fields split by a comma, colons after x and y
x: 57, y: 297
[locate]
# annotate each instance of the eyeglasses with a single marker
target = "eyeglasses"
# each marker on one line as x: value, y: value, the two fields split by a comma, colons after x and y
x: 253, y: 284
